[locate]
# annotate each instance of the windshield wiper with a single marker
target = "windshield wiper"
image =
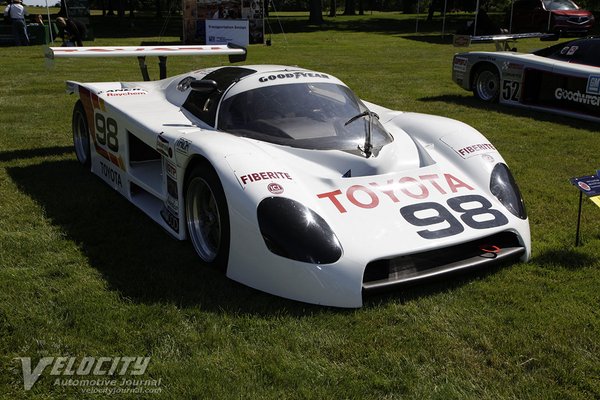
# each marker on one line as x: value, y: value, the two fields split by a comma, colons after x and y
x: 367, y: 148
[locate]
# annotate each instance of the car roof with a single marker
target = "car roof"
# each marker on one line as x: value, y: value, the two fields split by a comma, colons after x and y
x: 584, y: 51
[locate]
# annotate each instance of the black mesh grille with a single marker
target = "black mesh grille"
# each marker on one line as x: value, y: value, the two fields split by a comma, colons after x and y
x: 500, y: 248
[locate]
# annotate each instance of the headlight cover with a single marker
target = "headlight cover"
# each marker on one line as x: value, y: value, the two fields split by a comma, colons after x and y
x: 504, y: 187
x: 294, y: 231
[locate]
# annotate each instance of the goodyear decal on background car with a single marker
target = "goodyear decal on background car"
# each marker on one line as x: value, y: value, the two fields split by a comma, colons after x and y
x: 575, y: 94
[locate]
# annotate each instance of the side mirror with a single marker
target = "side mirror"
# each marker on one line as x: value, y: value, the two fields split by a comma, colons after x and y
x: 204, y: 86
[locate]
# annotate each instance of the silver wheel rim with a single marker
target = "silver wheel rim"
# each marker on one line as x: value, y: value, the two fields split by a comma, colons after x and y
x: 81, y: 138
x: 488, y: 85
x: 203, y: 219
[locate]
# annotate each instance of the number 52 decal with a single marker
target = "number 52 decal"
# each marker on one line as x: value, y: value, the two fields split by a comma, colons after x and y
x: 480, y: 216
x: 510, y: 90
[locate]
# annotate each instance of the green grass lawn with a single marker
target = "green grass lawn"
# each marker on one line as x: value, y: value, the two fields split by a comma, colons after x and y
x: 84, y: 273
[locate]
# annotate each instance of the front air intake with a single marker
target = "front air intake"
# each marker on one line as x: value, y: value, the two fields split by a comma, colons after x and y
x: 490, y: 251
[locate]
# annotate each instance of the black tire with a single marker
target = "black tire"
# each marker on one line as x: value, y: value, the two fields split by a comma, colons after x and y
x: 486, y: 84
x: 81, y: 135
x: 207, y: 216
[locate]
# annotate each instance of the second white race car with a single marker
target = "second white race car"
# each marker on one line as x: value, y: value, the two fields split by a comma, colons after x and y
x: 293, y: 185
x: 564, y: 78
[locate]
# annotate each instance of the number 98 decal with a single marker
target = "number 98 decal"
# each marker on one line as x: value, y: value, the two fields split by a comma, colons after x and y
x: 106, y: 132
x: 475, y: 211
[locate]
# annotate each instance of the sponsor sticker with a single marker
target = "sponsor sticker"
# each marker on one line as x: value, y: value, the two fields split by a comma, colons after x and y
x: 171, y: 170
x: 182, y: 145
x: 407, y: 187
x: 577, y: 97
x: 471, y: 150
x: 468, y: 150
x: 172, y: 187
x: 275, y: 188
x: 507, y: 65
x: 170, y: 219
x: 292, y: 75
x: 172, y: 205
x: 429, y: 215
x: 162, y: 146
x: 593, y: 84
x: 512, y: 70
x: 111, y: 175
x: 124, y: 92
x: 265, y: 175
x: 460, y: 64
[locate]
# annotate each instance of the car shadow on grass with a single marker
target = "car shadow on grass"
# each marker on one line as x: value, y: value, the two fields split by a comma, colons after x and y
x: 471, y: 101
x: 431, y: 39
x: 140, y: 261
x: 6, y: 156
x: 565, y: 258
x: 135, y: 256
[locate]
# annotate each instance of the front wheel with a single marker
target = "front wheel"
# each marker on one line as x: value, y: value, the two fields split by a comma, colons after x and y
x: 81, y: 135
x: 486, y: 84
x: 207, y: 216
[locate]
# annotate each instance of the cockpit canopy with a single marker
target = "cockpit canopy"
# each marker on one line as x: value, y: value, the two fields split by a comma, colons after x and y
x: 301, y: 113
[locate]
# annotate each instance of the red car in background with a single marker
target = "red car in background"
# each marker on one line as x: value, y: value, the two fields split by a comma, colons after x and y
x: 556, y: 16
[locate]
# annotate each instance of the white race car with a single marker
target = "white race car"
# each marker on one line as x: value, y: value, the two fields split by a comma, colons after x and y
x: 294, y: 186
x: 564, y: 78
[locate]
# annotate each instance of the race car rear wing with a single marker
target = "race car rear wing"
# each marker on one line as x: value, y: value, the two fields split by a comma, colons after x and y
x: 502, y: 41
x: 235, y: 52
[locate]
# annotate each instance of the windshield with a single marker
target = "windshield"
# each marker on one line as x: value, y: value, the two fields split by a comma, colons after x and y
x: 553, y: 5
x: 305, y: 115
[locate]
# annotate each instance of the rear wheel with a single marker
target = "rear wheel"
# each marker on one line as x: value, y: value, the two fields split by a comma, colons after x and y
x: 486, y: 84
x: 207, y: 216
x: 81, y: 135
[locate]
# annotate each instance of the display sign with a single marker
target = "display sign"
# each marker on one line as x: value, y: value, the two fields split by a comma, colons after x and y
x: 223, y: 31
x: 590, y: 186
x: 199, y: 17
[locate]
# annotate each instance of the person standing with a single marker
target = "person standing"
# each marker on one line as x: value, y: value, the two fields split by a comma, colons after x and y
x: 17, y: 13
